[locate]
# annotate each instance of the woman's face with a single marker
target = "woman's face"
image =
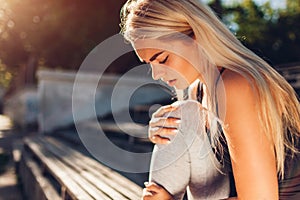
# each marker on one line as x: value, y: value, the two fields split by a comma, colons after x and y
x: 177, y: 71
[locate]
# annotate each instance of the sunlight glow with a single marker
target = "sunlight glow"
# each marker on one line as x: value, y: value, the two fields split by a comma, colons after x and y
x: 5, y: 123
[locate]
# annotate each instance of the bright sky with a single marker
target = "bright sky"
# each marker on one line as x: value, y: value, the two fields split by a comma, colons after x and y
x: 274, y: 3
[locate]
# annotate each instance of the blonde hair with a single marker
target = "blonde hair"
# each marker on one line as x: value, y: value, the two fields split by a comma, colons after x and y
x: 278, y: 104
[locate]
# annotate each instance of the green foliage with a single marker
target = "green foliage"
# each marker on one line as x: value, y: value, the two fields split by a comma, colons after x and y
x: 5, y: 75
x: 272, y: 33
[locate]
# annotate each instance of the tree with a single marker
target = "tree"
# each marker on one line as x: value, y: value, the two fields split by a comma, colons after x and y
x: 54, y: 34
x: 274, y: 34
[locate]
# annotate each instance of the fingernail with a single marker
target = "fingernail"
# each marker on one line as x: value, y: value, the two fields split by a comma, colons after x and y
x: 168, y: 142
x: 175, y: 130
x: 146, y: 183
x: 153, y: 137
x: 154, y: 129
x: 178, y: 121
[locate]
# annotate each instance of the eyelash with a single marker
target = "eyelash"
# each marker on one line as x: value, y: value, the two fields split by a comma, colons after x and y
x: 164, y: 61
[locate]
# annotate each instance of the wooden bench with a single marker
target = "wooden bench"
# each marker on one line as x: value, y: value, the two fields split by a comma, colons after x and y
x: 128, y: 135
x: 50, y: 169
x: 291, y: 74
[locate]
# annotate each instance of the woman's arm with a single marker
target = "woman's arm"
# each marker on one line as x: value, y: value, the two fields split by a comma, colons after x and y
x: 252, y: 153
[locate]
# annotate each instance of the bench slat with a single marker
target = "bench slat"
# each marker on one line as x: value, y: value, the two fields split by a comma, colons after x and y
x: 80, y: 176
x: 108, y: 176
x: 91, y: 181
x: 31, y: 167
x: 74, y: 174
x: 57, y: 169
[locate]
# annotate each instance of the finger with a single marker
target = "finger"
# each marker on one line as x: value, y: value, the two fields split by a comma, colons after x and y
x: 158, y: 192
x: 153, y: 187
x: 163, y: 110
x: 156, y: 139
x: 161, y: 135
x: 162, y: 131
x: 171, y: 122
x: 146, y: 194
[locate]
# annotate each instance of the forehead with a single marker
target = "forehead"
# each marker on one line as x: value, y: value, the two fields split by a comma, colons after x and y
x: 146, y: 54
x: 150, y: 44
x: 148, y: 47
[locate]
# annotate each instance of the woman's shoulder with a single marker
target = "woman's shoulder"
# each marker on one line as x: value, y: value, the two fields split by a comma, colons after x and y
x: 235, y: 81
x: 238, y: 88
x: 240, y: 101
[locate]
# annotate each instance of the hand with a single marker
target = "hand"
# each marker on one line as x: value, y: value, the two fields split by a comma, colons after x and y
x: 155, y: 192
x: 161, y: 126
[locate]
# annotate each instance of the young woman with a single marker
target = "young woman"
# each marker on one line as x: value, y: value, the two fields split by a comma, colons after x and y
x: 257, y: 134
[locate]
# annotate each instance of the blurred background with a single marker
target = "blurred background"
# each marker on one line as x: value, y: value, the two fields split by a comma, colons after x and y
x: 44, y: 42
x: 59, y: 34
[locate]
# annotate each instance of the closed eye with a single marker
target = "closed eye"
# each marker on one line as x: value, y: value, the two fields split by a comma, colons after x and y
x: 164, y: 61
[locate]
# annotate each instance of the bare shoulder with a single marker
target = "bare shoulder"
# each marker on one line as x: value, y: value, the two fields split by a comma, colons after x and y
x: 240, y: 100
x: 235, y: 82
x: 239, y: 89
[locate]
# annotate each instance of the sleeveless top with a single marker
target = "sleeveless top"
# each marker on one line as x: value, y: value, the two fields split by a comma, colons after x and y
x: 289, y: 187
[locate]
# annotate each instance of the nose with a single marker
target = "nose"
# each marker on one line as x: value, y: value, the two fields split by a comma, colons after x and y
x: 157, y: 71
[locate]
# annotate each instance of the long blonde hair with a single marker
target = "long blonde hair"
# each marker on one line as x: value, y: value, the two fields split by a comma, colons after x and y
x: 278, y: 104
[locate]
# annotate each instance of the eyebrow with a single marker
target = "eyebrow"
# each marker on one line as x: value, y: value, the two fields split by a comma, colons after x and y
x: 155, y: 56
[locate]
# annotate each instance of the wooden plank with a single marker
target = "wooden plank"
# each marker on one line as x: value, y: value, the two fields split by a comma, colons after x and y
x: 140, y: 131
x: 27, y: 177
x: 94, y: 178
x: 45, y: 186
x: 75, y: 172
x: 88, y: 187
x: 113, y: 179
x: 57, y: 169
x: 92, y: 164
x: 101, y: 185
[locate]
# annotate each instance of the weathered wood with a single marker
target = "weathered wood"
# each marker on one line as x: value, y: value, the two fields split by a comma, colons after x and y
x: 104, y: 175
x: 57, y: 169
x: 79, y: 176
x: 34, y: 181
x: 134, y: 129
x: 291, y: 74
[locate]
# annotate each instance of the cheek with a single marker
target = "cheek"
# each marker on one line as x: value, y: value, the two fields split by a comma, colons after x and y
x: 186, y: 69
x: 178, y: 65
x: 182, y: 68
x: 189, y: 73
